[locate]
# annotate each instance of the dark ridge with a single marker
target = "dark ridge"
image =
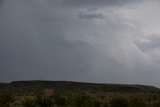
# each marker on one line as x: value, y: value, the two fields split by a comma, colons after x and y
x: 68, y: 86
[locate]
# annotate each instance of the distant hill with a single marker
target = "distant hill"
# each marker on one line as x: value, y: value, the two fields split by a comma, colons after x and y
x: 68, y: 86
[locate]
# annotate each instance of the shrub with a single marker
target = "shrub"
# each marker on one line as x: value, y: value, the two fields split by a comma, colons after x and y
x: 84, y: 100
x: 119, y: 102
x: 98, y: 103
x: 61, y: 99
x: 105, y: 104
x: 156, y: 104
x: 137, y: 102
x: 6, y: 99
x: 45, y: 102
x: 28, y: 102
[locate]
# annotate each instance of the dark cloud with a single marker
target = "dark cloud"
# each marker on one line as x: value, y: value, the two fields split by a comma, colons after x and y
x: 1, y: 2
x: 98, y: 2
x: 90, y: 15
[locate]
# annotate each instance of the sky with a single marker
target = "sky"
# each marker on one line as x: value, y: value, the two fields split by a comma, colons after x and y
x: 102, y: 41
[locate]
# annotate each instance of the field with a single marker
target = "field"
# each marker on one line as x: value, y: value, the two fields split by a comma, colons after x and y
x: 76, y: 94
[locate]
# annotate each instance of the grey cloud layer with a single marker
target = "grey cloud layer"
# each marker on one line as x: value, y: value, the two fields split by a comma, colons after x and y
x: 98, y: 2
x: 44, y: 39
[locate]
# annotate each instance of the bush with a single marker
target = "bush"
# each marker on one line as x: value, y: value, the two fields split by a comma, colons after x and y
x: 61, y: 99
x: 45, y: 102
x: 84, y: 100
x: 28, y: 102
x: 156, y: 104
x: 98, y: 103
x: 6, y: 99
x: 137, y: 102
x: 105, y: 104
x: 119, y: 102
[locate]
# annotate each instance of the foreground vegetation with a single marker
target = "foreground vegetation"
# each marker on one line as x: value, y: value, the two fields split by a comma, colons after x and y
x: 74, y: 97
x: 82, y: 99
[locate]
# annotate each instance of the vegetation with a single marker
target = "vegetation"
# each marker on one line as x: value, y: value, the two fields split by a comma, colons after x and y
x: 6, y: 99
x: 82, y: 97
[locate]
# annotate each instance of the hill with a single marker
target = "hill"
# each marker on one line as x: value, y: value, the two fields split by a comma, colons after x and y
x: 68, y: 86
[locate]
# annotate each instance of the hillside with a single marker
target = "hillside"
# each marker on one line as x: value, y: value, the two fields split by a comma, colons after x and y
x: 68, y: 86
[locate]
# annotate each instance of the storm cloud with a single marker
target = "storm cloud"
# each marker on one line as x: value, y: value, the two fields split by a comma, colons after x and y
x: 80, y: 40
x: 99, y: 2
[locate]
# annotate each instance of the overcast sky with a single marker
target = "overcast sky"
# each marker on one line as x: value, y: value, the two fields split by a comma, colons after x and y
x: 109, y: 41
